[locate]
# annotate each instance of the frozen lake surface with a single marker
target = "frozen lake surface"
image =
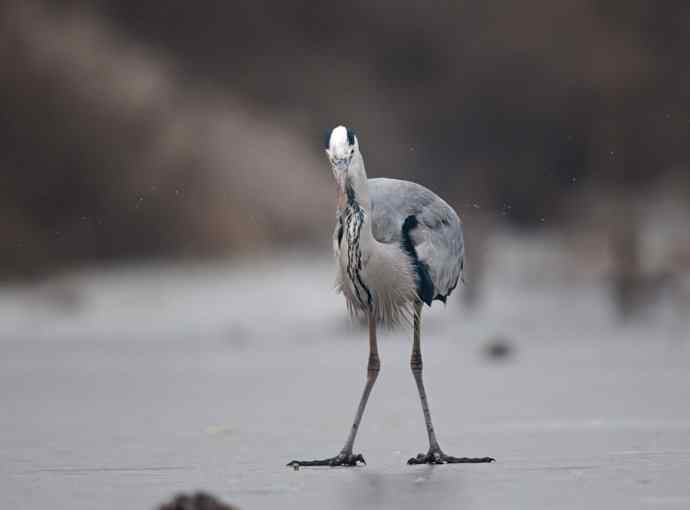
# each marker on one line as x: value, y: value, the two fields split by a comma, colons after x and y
x: 121, y: 388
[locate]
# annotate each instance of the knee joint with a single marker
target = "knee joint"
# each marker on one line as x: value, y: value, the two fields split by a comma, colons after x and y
x: 374, y: 365
x: 416, y: 363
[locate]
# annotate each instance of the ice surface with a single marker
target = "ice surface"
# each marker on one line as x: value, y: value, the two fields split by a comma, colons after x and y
x: 119, y: 389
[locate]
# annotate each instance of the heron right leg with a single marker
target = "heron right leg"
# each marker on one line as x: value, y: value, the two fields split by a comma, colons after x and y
x: 435, y: 455
x: 346, y: 457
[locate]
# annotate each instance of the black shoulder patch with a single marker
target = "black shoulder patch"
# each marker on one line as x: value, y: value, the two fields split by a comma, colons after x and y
x: 340, y: 230
x: 327, y: 138
x: 409, y: 223
x: 350, y: 136
x: 425, y: 287
x: 351, y: 199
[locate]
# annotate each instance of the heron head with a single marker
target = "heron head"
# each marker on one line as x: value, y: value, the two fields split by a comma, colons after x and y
x: 341, y: 148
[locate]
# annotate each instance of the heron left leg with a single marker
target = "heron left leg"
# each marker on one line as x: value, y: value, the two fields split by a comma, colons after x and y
x: 435, y: 455
x: 346, y: 457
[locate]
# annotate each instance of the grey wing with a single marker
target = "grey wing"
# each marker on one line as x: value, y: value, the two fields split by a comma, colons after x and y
x: 437, y: 237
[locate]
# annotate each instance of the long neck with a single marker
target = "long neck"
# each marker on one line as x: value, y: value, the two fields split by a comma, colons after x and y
x: 355, y: 199
x: 357, y: 183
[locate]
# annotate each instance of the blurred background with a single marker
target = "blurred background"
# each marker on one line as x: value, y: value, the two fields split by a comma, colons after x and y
x: 132, y: 130
x: 162, y: 177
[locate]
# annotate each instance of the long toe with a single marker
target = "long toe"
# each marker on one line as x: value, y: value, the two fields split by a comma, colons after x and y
x: 467, y: 460
x: 419, y: 459
x: 339, y: 460
x: 438, y: 457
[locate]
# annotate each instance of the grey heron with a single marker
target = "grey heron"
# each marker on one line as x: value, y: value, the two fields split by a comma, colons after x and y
x: 398, y: 246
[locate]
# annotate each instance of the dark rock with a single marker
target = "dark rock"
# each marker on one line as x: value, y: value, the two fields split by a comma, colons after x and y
x: 498, y: 349
x: 198, y: 501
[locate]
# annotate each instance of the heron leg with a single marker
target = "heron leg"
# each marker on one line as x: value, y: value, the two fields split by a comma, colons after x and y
x: 346, y: 457
x: 435, y: 455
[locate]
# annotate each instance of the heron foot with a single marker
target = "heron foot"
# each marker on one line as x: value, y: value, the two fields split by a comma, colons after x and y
x: 438, y: 457
x: 342, y: 459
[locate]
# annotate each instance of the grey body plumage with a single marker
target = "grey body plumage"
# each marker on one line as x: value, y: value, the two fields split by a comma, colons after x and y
x: 397, y: 245
x: 418, y: 236
x: 437, y: 238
